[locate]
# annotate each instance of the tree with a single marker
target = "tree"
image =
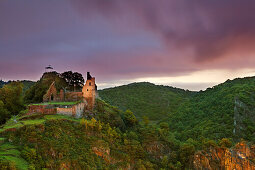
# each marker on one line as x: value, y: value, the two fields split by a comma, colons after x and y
x: 11, y: 102
x: 38, y: 90
x: 146, y: 120
x: 225, y: 143
x: 186, y: 154
x: 11, y: 96
x: 4, y: 113
x: 130, y: 118
x: 78, y: 80
x: 74, y: 80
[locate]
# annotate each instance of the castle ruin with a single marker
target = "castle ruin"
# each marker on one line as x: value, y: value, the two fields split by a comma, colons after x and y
x: 85, y: 99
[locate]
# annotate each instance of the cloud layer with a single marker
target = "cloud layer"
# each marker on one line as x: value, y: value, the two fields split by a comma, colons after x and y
x: 125, y: 39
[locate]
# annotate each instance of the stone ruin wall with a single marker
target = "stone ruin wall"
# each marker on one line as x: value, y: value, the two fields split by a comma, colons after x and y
x: 44, y: 109
x: 73, y: 96
x: 74, y: 110
x: 62, y: 96
x: 51, y: 94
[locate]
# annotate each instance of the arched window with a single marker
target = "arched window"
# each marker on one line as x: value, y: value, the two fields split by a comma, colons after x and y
x: 90, y: 83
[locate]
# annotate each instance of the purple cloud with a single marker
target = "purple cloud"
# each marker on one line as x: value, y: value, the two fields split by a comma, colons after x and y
x: 125, y: 39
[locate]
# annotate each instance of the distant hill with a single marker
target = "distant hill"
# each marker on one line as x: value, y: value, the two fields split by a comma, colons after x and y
x: 189, y: 130
x: 146, y: 99
x: 2, y: 83
x: 226, y: 110
x: 26, y: 83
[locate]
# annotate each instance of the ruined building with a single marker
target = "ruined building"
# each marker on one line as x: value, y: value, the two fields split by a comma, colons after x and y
x: 87, y: 95
x: 89, y: 90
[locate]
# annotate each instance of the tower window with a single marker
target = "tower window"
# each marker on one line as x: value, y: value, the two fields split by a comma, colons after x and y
x: 90, y: 83
x: 87, y: 89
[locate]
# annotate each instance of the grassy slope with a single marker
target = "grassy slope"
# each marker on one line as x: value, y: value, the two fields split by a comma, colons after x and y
x: 55, y: 141
x: 146, y: 99
x: 58, y: 103
x: 11, y: 152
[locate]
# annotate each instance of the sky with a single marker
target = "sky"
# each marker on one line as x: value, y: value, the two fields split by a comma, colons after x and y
x: 191, y: 44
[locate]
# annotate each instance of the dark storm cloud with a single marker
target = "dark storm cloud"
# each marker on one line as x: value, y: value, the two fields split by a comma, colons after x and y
x: 213, y: 29
x: 118, y: 39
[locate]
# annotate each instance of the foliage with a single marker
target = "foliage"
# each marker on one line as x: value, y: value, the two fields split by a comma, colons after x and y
x: 129, y: 118
x: 36, y: 92
x: 2, y: 83
x: 146, y: 99
x: 175, y: 124
x: 26, y: 84
x: 225, y: 143
x: 11, y: 102
x: 74, y: 80
x: 224, y: 111
x: 10, y: 158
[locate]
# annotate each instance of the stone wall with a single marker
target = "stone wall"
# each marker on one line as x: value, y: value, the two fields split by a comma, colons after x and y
x: 65, y: 111
x: 73, y: 96
x: 44, y: 109
x: 51, y: 94
x: 74, y: 110
x: 79, y: 109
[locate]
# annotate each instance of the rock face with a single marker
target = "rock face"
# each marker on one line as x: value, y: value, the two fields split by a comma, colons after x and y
x: 241, y: 157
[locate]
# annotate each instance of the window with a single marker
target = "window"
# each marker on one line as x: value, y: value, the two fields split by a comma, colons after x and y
x: 87, y: 89
x: 90, y: 83
x: 51, y: 97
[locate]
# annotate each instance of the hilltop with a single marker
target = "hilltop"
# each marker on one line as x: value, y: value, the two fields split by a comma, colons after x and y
x: 146, y: 99
x: 136, y: 126
x: 106, y: 139
x: 226, y: 110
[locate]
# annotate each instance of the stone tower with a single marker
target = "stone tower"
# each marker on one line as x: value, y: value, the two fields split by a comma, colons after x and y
x: 89, y: 91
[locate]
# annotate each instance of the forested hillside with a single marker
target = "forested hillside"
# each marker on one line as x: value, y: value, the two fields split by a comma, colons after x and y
x: 174, y: 129
x: 2, y: 83
x: 106, y: 139
x: 146, y: 99
x: 224, y: 111
x: 26, y: 84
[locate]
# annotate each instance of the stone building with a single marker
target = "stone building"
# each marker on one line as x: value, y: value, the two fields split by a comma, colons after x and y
x: 89, y: 90
x: 88, y: 93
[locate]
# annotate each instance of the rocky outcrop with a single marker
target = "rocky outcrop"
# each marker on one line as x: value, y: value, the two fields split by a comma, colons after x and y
x: 240, y: 157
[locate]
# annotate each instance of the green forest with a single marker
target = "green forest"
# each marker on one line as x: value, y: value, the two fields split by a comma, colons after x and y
x: 136, y: 126
x: 192, y: 115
